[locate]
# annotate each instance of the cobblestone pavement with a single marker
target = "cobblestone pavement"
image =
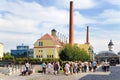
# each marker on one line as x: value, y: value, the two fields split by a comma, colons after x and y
x: 114, y: 74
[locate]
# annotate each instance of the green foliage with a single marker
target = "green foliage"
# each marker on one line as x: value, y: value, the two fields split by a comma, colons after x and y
x: 21, y: 60
x: 7, y: 54
x: 73, y: 53
x: 7, y: 57
x: 50, y: 59
x: 35, y: 60
x: 30, y: 60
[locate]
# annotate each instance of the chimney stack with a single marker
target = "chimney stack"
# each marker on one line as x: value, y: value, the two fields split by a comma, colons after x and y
x: 87, y: 35
x: 71, y: 24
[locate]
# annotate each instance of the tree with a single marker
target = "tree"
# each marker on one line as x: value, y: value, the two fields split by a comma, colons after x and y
x: 7, y: 57
x: 73, y: 53
x: 7, y: 54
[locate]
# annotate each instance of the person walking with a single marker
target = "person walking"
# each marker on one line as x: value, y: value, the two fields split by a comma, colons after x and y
x: 50, y: 67
x: 71, y: 68
x: 90, y: 66
x: 44, y: 67
x: 27, y: 66
x: 67, y: 68
x: 82, y: 66
x: 56, y: 67
x: 94, y: 64
x: 85, y: 67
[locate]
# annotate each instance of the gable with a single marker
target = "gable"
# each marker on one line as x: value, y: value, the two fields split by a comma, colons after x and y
x: 48, y: 40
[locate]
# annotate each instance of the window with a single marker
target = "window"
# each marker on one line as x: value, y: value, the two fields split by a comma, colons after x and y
x: 52, y: 56
x: 40, y: 50
x: 40, y: 43
x: 37, y: 56
x: 49, y: 56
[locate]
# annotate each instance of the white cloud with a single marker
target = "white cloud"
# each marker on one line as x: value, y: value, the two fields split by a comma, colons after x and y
x: 20, y: 25
x: 81, y: 20
x: 101, y: 37
x: 10, y: 41
x: 110, y: 13
x: 78, y: 4
x: 112, y: 21
x: 114, y: 2
x: 23, y: 17
x: 100, y: 41
x: 29, y: 15
x: 103, y: 45
x: 110, y: 16
x: 33, y: 18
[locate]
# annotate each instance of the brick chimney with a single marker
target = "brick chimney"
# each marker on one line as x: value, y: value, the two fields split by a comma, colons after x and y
x: 71, y: 24
x: 87, y: 35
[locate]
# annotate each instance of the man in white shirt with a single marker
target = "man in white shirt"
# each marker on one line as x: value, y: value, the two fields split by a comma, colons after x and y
x: 27, y: 65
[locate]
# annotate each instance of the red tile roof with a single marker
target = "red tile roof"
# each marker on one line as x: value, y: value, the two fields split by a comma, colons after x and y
x: 50, y: 37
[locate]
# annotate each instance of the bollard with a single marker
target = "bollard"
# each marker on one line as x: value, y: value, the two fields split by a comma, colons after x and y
x: 33, y: 70
x: 9, y: 71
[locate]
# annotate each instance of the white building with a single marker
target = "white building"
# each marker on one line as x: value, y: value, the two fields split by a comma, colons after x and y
x: 1, y: 50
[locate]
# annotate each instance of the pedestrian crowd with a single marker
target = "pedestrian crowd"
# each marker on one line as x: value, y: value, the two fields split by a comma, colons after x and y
x: 77, y: 67
x: 51, y: 67
x: 68, y: 67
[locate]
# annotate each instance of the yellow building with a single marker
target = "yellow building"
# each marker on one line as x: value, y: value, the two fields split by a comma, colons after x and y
x: 84, y: 47
x: 88, y: 48
x: 47, y: 46
x: 1, y: 50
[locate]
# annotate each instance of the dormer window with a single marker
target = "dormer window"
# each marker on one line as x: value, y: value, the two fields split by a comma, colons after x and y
x: 40, y: 43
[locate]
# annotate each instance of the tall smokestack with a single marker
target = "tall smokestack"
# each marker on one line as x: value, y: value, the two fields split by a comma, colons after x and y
x: 87, y: 35
x: 71, y: 28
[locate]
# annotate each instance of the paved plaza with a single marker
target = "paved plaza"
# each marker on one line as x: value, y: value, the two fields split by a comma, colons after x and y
x: 114, y: 74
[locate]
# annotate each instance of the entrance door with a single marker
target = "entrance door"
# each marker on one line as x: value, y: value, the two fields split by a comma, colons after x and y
x: 113, y: 63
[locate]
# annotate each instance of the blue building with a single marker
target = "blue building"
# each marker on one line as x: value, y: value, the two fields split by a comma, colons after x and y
x: 22, y: 51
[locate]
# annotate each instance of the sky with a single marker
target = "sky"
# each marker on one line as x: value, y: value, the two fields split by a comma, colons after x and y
x: 25, y: 21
